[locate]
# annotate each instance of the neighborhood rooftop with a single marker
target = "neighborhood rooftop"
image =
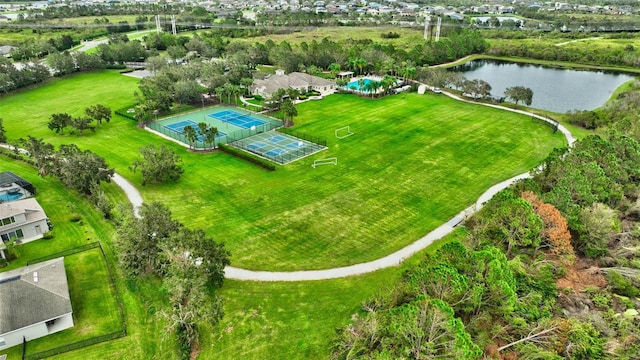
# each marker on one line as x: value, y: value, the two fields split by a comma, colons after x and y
x: 33, y: 294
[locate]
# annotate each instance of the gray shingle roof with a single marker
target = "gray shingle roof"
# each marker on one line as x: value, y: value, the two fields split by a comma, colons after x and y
x: 24, y: 301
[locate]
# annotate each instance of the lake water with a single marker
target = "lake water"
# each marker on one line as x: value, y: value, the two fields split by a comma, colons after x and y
x: 553, y: 89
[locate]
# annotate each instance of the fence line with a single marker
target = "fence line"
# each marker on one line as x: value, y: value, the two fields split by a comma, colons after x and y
x: 71, y: 251
x: 224, y: 139
x: 76, y: 345
x: 289, y: 156
x: 314, y: 139
x: 96, y: 339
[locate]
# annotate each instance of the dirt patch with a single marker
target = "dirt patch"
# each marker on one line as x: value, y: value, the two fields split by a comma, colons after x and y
x: 583, y: 273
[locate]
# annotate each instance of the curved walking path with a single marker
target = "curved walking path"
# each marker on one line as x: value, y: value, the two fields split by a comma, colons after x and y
x: 393, y: 259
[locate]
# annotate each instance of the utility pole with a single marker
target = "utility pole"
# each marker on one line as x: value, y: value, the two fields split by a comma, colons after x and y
x: 438, y: 28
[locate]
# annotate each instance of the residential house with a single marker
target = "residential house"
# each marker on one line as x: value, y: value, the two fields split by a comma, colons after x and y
x: 24, y: 220
x: 34, y: 302
x: 297, y: 80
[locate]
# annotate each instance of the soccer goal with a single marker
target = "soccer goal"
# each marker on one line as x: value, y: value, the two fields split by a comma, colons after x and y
x: 343, y: 132
x: 327, y: 161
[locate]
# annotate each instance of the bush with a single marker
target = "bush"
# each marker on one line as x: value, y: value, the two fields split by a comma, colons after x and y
x: 246, y: 156
x: 390, y: 35
x: 258, y: 97
x: 3, y: 263
x: 75, y: 218
x: 621, y: 286
x: 48, y: 235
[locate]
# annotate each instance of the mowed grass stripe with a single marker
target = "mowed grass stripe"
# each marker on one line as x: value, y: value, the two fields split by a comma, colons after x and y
x: 413, y: 163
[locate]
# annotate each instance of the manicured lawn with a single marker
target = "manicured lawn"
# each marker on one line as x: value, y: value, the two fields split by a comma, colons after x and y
x: 414, y: 162
x: 95, y: 310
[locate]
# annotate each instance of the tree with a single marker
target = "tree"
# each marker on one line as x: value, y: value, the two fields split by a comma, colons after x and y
x: 191, y: 134
x: 3, y: 132
x: 100, y: 200
x: 334, y: 68
x: 598, y: 222
x: 159, y: 164
x: 40, y: 151
x: 519, y: 93
x: 188, y: 270
x: 210, y: 136
x: 81, y: 123
x: 423, y: 328
x: 61, y: 63
x: 58, y: 122
x: 99, y: 113
x: 556, y: 232
x: 79, y: 169
x: 290, y: 111
x: 140, y: 238
x: 187, y: 91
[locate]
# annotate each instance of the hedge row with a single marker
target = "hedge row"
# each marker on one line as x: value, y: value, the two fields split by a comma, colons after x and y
x: 247, y: 156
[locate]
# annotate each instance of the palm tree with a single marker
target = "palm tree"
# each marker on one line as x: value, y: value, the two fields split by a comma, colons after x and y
x: 210, y: 136
x: 293, y: 93
x: 361, y: 64
x: 367, y: 88
x: 387, y: 83
x: 334, y: 68
x: 191, y: 135
x: 361, y: 84
x: 290, y: 111
x: 202, y: 128
x: 374, y: 86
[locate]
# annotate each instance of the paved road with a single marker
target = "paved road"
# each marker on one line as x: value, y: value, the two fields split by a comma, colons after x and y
x: 87, y: 45
x: 393, y: 259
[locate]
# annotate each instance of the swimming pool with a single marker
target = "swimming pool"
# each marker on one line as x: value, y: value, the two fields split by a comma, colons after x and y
x: 6, y: 196
x: 354, y: 85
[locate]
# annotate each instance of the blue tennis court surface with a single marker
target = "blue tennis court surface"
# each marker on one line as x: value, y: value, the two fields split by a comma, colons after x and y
x: 277, y: 139
x: 256, y: 145
x: 278, y: 147
x: 179, y: 128
x: 238, y: 119
x: 275, y: 152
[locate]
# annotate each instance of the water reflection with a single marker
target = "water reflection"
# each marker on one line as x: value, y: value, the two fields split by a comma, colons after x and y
x: 556, y: 90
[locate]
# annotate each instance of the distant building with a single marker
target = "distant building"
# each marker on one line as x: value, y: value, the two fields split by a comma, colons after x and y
x: 34, y: 302
x: 296, y: 80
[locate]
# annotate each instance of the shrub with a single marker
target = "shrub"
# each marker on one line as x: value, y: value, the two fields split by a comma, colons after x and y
x: 75, y: 218
x: 258, y: 97
x: 247, y: 156
x: 48, y: 235
x: 621, y: 286
x: 390, y: 35
x: 3, y: 263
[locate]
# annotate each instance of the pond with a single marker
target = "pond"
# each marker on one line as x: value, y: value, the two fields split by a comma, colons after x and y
x: 556, y: 90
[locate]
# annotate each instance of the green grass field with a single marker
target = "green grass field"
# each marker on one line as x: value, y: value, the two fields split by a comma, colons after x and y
x: 414, y: 162
x: 407, y: 40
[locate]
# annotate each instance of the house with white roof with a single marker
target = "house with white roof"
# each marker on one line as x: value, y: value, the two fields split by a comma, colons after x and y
x: 296, y: 80
x: 34, y: 302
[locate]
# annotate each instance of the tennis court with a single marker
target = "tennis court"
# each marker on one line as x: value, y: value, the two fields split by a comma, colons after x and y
x: 237, y: 118
x: 232, y: 124
x: 278, y: 147
x: 179, y: 128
